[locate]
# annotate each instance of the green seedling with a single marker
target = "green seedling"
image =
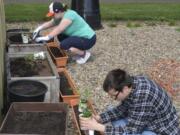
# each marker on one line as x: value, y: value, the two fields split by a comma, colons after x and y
x: 86, y: 113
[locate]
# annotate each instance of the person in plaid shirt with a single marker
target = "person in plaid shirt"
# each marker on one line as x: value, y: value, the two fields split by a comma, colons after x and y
x: 144, y: 109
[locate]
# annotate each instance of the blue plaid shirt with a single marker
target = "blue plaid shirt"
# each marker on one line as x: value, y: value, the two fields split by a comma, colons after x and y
x: 148, y: 106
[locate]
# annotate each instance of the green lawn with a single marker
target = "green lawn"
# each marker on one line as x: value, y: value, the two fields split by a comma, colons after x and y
x: 153, y: 12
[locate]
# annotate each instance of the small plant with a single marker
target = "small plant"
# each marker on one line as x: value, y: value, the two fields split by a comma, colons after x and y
x: 86, y: 113
x: 85, y: 95
x: 30, y: 60
x: 83, y: 100
x: 29, y: 57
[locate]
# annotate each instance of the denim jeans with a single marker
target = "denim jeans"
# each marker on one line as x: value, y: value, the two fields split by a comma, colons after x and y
x: 123, y: 122
x: 76, y: 42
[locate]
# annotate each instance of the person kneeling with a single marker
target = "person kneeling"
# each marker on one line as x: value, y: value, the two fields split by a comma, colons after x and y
x: 145, y: 108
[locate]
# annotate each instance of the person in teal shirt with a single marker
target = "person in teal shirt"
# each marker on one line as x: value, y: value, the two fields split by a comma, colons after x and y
x: 71, y: 29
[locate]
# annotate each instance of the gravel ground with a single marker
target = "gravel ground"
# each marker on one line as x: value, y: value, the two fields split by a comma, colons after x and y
x: 132, y: 49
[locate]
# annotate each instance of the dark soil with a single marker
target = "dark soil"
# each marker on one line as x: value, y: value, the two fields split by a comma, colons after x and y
x: 14, y: 36
x: 64, y: 85
x: 75, y: 108
x: 22, y: 67
x: 17, y: 39
x: 56, y: 51
x: 49, y: 123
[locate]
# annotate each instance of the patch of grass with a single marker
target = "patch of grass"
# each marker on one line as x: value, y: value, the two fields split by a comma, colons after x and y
x: 178, y: 29
x: 133, y: 24
x: 171, y: 23
x: 141, y: 11
x: 151, y: 23
x: 26, y: 12
x: 112, y: 24
x: 113, y: 12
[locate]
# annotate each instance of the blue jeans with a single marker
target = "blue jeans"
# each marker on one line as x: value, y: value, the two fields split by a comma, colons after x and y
x: 123, y: 123
x: 76, y: 42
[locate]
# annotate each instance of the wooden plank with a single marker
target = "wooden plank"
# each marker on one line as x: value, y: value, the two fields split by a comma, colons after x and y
x: 2, y: 45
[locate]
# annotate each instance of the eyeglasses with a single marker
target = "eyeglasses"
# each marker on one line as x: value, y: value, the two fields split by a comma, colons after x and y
x: 115, y: 96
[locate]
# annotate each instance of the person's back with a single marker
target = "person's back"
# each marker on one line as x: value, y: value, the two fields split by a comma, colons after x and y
x: 163, y: 117
x: 78, y: 27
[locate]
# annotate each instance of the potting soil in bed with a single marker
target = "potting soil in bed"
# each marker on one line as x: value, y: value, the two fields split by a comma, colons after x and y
x: 49, y: 123
x: 64, y: 85
x: 17, y: 38
x: 21, y: 67
x: 56, y: 52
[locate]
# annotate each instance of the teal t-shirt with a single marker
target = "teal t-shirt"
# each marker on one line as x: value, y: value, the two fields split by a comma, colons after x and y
x: 78, y: 27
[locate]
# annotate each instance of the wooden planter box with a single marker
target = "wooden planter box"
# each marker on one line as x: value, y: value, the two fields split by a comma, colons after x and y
x: 75, y: 116
x: 66, y: 95
x: 51, y: 80
x: 15, y: 42
x: 27, y: 118
x: 58, y: 55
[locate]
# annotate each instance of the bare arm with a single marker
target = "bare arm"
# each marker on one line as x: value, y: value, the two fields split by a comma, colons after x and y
x: 60, y: 28
x: 47, y: 25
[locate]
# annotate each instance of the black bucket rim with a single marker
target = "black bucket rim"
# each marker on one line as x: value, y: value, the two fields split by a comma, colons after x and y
x: 35, y: 95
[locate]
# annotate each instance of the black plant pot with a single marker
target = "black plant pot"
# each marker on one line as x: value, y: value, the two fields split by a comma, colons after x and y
x: 26, y: 91
x: 89, y: 10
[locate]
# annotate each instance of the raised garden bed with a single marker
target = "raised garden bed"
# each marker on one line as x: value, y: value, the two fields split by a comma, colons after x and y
x: 20, y: 67
x: 36, y: 118
x: 58, y: 55
x: 25, y: 66
x: 68, y: 90
x: 75, y: 115
x: 20, y: 40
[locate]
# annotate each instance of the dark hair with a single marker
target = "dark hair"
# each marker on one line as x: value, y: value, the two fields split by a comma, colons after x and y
x: 65, y: 7
x: 117, y: 79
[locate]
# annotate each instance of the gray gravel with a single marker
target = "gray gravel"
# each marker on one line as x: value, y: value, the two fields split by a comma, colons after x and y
x: 132, y: 49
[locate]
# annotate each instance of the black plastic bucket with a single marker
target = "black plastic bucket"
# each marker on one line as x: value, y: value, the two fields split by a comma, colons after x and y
x: 26, y: 91
x: 92, y: 13
x: 78, y: 6
x: 89, y: 10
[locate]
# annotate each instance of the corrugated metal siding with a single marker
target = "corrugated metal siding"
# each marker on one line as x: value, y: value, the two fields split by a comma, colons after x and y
x: 2, y: 44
